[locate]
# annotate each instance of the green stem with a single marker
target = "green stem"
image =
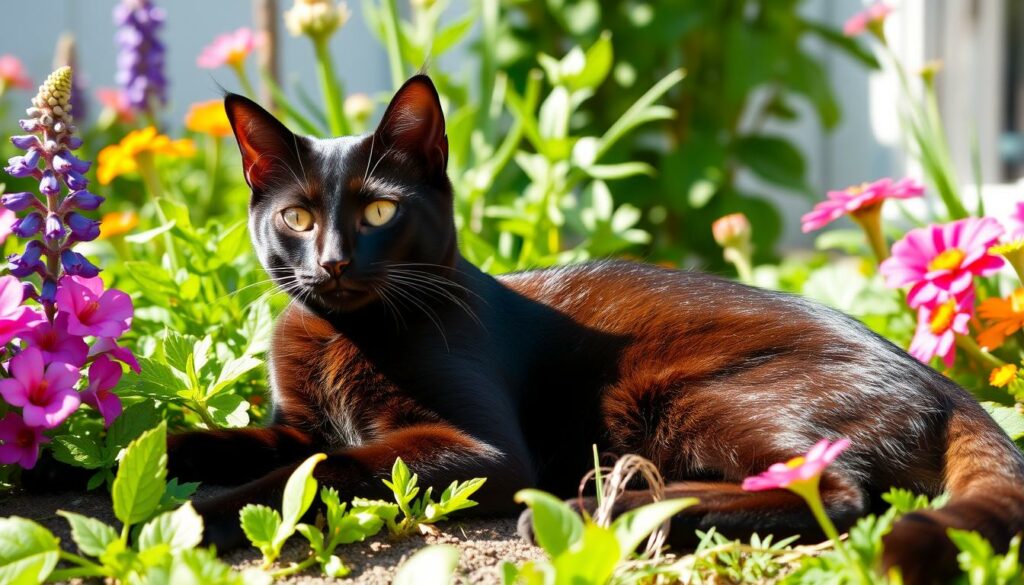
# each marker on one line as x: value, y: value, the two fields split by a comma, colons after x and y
x: 741, y: 260
x: 809, y: 492
x: 285, y: 104
x: 333, y: 100
x: 243, y: 80
x: 598, y: 480
x: 870, y: 220
x: 392, y: 43
x: 294, y: 568
x: 971, y: 348
x: 151, y: 179
x: 86, y: 567
x: 212, y: 166
x: 204, y: 414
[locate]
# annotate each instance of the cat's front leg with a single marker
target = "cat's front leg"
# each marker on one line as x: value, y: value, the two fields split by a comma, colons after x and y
x: 235, y: 456
x: 438, y: 453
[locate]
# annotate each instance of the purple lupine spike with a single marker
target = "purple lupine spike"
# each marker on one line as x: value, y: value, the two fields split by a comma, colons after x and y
x: 28, y: 291
x: 23, y: 165
x: 28, y: 226
x: 140, y: 59
x: 54, y: 229
x: 20, y: 201
x: 26, y: 263
x: 84, y: 200
x: 48, y: 185
x: 64, y: 161
x: 83, y: 228
x: 77, y: 265
x: 75, y: 180
x: 25, y: 142
x: 48, y: 294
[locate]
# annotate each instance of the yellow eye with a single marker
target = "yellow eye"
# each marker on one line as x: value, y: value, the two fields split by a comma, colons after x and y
x: 298, y: 219
x: 380, y: 212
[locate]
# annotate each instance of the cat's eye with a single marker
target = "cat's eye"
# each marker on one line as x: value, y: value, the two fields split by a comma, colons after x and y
x: 298, y: 219
x: 379, y: 212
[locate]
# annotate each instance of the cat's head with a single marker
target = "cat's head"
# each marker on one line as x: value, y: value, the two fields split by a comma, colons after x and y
x: 329, y: 217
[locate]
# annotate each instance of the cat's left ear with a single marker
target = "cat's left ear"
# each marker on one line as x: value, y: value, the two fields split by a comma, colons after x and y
x: 414, y: 123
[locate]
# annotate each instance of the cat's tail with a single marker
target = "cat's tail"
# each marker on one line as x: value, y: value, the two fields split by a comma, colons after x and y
x: 984, y: 475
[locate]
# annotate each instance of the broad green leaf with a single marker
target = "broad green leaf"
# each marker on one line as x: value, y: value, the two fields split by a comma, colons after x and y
x: 176, y: 494
x: 774, y: 159
x: 556, y: 526
x: 642, y: 111
x: 260, y: 523
x: 78, y: 450
x: 298, y: 495
x: 149, y: 235
x: 385, y: 510
x: 1009, y: 418
x: 452, y: 34
x: 597, y: 63
x: 28, y: 552
x: 91, y: 535
x: 634, y: 526
x: 356, y: 526
x: 133, y: 421
x: 233, y: 243
x: 233, y: 370
x: 433, y: 565
x: 313, y: 535
x: 180, y: 530
x: 139, y: 483
x: 229, y: 410
x: 158, y: 380
x: 591, y: 559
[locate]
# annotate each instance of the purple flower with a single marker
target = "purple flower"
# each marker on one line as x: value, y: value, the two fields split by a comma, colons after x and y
x: 64, y: 161
x: 54, y: 228
x: 48, y: 185
x: 104, y: 374
x: 83, y: 228
x: 19, y: 443
x: 55, y: 343
x: 19, y: 201
x: 107, y: 345
x: 29, y: 261
x: 25, y: 142
x: 28, y: 226
x: 83, y: 200
x: 92, y: 310
x: 23, y: 166
x: 77, y: 265
x: 140, y: 60
x: 75, y: 180
x: 49, y: 292
x: 45, y: 393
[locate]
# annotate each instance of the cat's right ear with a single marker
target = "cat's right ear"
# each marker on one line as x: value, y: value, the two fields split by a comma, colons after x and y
x: 269, y: 149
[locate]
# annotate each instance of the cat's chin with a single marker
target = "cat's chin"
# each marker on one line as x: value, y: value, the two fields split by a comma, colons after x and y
x: 340, y: 300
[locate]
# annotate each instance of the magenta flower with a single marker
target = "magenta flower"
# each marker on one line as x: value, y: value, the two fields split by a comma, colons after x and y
x: 45, y: 393
x: 941, y: 261
x: 12, y: 73
x: 230, y: 49
x: 872, y: 16
x: 108, y: 345
x: 798, y: 469
x: 19, y: 443
x: 937, y: 327
x: 104, y: 374
x: 92, y: 310
x: 7, y: 220
x: 1014, y: 223
x: 14, y: 318
x: 859, y: 197
x: 55, y: 343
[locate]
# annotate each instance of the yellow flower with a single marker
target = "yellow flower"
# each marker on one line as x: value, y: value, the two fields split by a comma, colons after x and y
x: 123, y: 157
x: 117, y: 223
x: 1001, y: 377
x: 208, y: 118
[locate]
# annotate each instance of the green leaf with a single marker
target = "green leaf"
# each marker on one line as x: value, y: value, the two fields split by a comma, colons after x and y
x: 180, y: 530
x: 233, y: 370
x: 1008, y: 418
x: 433, y: 565
x: 385, y: 510
x: 634, y: 526
x: 232, y: 245
x: 452, y: 34
x: 91, y: 535
x: 313, y: 535
x: 597, y: 64
x: 592, y: 559
x: 176, y: 494
x: 453, y: 499
x: 229, y: 410
x: 158, y: 380
x: 133, y: 421
x: 298, y: 496
x: 260, y: 523
x: 28, y: 552
x: 555, y: 525
x: 149, y: 235
x: 78, y: 450
x: 773, y: 159
x: 642, y: 111
x: 139, y: 483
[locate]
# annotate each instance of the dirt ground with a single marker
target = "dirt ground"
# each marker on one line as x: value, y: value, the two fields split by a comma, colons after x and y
x: 484, y: 543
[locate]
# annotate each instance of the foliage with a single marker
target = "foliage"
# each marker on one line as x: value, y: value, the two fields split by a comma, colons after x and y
x: 155, y: 544
x: 340, y: 523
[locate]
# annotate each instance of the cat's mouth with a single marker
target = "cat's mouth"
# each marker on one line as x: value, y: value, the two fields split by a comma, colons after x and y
x: 342, y: 293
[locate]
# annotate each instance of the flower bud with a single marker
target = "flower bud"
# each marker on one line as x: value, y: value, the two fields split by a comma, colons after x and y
x: 83, y: 228
x: 315, y: 18
x: 54, y: 228
x: 74, y: 142
x: 48, y: 185
x: 83, y: 200
x: 19, y: 201
x: 64, y: 161
x: 77, y: 265
x: 731, y: 231
x: 28, y: 226
x: 75, y: 180
x: 25, y: 142
x: 22, y: 265
x: 358, y: 107
x: 28, y: 291
x: 23, y: 166
x: 49, y: 292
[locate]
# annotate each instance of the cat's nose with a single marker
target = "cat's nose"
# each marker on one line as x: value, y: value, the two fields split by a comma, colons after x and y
x: 335, y: 266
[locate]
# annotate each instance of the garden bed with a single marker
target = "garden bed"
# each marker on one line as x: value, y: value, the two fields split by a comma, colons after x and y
x: 483, y: 543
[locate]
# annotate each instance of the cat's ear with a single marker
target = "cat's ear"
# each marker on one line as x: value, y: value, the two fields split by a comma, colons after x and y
x: 414, y: 123
x: 269, y: 149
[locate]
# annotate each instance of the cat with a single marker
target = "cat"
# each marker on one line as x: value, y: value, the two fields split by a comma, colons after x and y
x: 395, y: 346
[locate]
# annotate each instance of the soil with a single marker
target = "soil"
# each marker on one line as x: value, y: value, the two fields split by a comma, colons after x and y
x: 484, y: 544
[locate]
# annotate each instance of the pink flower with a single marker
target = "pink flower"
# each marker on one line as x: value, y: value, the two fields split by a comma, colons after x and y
x: 229, y: 49
x: 731, y: 229
x: 115, y: 101
x: 799, y: 469
x: 14, y: 318
x: 1014, y: 224
x: 941, y: 261
x: 7, y: 219
x: 92, y: 310
x: 12, y: 73
x: 19, y: 443
x: 856, y: 198
x: 45, y: 393
x: 937, y: 327
x: 108, y: 345
x: 104, y: 374
x: 56, y: 344
x: 872, y: 15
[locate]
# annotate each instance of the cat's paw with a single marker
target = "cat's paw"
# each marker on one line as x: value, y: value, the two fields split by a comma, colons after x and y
x: 919, y: 547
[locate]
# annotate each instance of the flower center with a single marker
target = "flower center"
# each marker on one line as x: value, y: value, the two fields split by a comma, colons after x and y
x: 948, y: 260
x: 48, y: 340
x: 795, y: 462
x: 38, y: 394
x: 1017, y: 301
x: 25, y: 438
x: 85, y: 315
x: 942, y: 318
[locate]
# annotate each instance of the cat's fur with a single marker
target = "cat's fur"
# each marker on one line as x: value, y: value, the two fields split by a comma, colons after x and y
x: 414, y: 352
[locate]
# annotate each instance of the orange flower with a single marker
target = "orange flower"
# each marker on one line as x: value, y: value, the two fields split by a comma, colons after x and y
x: 1004, y: 316
x: 117, y: 223
x: 208, y: 118
x: 1001, y: 377
x: 118, y: 159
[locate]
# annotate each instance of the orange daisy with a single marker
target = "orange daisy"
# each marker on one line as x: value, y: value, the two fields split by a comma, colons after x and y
x: 1004, y: 317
